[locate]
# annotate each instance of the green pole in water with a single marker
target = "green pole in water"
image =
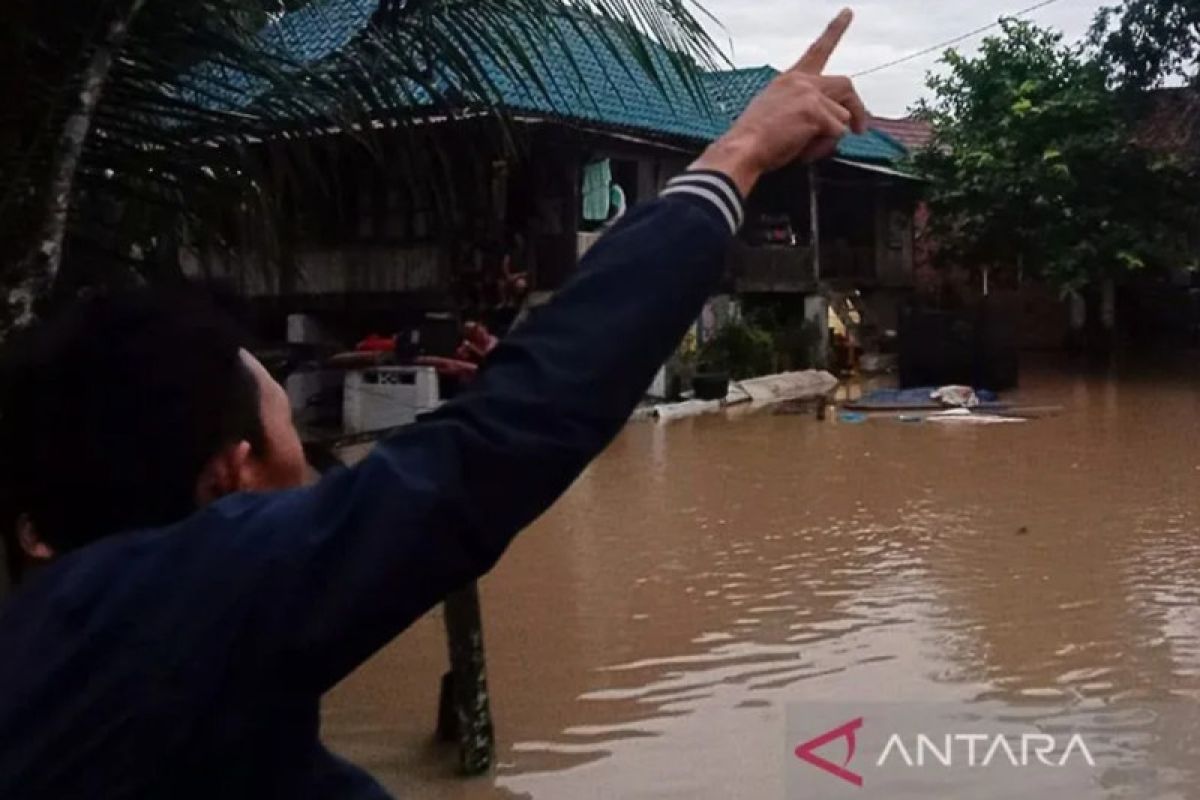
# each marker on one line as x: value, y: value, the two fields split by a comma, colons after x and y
x: 465, y: 709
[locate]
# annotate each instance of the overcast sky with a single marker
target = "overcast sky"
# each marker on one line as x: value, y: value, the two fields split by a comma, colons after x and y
x: 776, y: 32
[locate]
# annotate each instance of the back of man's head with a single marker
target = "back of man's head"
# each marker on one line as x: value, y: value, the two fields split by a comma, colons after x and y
x: 109, y: 413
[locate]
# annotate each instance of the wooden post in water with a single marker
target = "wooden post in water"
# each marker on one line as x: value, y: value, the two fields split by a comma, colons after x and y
x: 816, y: 306
x: 464, y: 709
x: 814, y: 223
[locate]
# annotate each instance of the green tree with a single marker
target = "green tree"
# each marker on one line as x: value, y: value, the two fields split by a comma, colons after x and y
x: 119, y: 129
x: 1033, y: 165
x: 1147, y: 42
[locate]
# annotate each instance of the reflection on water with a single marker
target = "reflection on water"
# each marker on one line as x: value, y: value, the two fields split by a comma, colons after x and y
x: 645, y: 637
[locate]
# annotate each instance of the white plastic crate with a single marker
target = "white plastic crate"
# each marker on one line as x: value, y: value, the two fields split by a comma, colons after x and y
x: 314, y: 395
x: 387, y: 397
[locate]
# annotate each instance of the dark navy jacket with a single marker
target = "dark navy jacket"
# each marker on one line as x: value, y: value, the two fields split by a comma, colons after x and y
x: 190, y: 661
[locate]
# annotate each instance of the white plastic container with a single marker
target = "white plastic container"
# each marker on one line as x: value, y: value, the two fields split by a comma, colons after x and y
x: 314, y: 395
x: 387, y: 397
x: 305, y: 329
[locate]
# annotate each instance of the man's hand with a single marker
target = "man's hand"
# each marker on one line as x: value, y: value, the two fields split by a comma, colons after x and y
x: 801, y: 115
x: 476, y: 345
x: 478, y: 342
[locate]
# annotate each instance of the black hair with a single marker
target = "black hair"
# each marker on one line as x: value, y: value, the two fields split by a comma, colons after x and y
x: 110, y: 411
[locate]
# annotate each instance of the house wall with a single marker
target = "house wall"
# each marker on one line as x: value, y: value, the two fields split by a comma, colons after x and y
x: 882, y: 306
x: 642, y: 169
x: 771, y: 269
x: 357, y: 224
x: 355, y: 269
x: 654, y: 166
x: 379, y: 238
x: 895, y: 238
x: 867, y: 227
x: 867, y: 233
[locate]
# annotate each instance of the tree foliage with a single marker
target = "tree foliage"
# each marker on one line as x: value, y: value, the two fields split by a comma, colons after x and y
x: 1148, y: 42
x: 1033, y: 165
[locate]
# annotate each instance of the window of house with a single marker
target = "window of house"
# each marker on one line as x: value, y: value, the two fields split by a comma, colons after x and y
x: 608, y: 188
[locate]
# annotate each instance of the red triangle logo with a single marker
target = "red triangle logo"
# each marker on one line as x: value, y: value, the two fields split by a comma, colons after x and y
x: 808, y: 751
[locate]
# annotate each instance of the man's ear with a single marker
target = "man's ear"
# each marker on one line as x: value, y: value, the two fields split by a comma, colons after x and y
x: 33, y: 547
x: 228, y: 472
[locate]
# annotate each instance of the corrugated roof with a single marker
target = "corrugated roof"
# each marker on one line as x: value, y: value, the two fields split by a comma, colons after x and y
x: 1171, y: 123
x: 584, y: 81
x: 318, y: 30
x: 873, y: 146
x: 604, y: 85
x: 732, y: 90
x: 879, y: 169
x: 915, y: 134
x: 304, y: 36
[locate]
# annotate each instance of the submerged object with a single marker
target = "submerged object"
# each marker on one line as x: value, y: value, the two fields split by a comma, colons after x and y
x: 963, y: 416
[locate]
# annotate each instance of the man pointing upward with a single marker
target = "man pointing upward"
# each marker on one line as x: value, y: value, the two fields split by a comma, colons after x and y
x: 189, y: 602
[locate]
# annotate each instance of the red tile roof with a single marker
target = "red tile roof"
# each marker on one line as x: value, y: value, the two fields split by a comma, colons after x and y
x: 913, y: 133
x: 1172, y: 123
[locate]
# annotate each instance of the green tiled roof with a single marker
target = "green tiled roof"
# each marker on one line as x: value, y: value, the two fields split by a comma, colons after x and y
x: 305, y: 36
x: 874, y: 145
x: 319, y: 29
x: 595, y: 83
x: 732, y: 91
x: 584, y: 81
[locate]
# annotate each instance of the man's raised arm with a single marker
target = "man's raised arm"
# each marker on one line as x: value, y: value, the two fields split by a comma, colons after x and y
x: 369, y: 550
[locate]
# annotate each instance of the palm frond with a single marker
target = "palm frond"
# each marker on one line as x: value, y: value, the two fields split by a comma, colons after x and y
x: 198, y: 87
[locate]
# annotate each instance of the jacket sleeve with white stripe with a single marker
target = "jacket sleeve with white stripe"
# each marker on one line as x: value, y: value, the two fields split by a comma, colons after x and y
x: 356, y: 559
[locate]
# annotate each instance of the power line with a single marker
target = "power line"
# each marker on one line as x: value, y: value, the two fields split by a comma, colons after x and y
x: 935, y: 48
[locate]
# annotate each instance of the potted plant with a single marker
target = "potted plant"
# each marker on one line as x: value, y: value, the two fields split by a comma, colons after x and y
x: 711, y: 382
x: 737, y: 351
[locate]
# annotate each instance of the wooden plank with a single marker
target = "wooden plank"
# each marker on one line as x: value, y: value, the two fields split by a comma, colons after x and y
x: 467, y: 685
x: 996, y: 409
x: 885, y: 408
x: 814, y: 221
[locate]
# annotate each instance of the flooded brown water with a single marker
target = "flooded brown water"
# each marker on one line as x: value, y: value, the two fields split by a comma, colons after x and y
x: 645, y: 637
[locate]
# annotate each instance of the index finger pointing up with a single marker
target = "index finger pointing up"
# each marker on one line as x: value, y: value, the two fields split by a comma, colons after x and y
x: 813, y: 62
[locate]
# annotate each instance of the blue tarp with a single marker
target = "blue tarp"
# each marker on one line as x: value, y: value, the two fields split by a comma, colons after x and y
x: 919, y: 397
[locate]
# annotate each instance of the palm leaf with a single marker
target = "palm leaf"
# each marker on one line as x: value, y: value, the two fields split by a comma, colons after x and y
x: 198, y: 87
